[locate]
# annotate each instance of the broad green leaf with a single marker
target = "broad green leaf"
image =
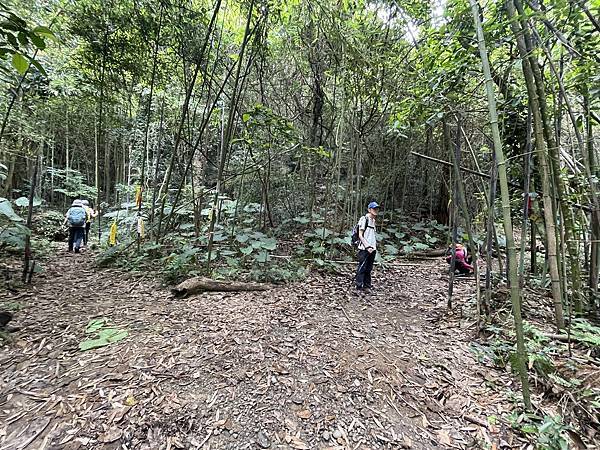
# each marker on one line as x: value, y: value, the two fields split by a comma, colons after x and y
x: 106, y: 336
x: 45, y: 32
x: 23, y: 202
x: 92, y: 343
x: 391, y: 249
x: 20, y: 63
x: 263, y: 257
x: 246, y: 250
x: 95, y: 325
x: 323, y: 232
x: 242, y: 238
x: 23, y: 38
x: 39, y: 67
x: 112, y: 334
x: 219, y: 237
x: 13, y: 237
x: 37, y: 41
x: 7, y: 210
x: 268, y: 243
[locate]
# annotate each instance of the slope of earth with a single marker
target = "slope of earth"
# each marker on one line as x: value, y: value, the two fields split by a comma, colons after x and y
x: 307, y: 365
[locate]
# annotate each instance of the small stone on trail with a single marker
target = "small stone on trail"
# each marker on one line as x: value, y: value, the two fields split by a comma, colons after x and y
x: 326, y: 435
x: 263, y: 440
x: 337, y: 434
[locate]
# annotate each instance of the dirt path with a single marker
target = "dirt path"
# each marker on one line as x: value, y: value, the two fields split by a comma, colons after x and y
x: 303, y: 366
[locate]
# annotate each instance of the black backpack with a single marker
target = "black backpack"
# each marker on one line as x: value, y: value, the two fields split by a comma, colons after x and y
x: 355, y: 239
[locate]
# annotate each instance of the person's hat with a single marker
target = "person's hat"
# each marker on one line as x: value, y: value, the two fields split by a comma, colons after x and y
x: 77, y: 203
x: 85, y: 203
x: 373, y: 205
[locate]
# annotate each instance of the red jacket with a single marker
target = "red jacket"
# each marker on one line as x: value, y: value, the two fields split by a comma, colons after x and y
x: 460, y: 258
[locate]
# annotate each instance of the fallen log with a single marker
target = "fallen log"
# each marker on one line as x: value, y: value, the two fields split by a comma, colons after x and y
x: 436, y: 253
x: 202, y: 284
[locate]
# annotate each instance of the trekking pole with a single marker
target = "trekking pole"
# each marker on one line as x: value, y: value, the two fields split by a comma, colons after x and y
x: 359, y: 268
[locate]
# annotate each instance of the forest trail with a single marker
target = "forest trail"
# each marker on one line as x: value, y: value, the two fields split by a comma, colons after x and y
x: 306, y: 365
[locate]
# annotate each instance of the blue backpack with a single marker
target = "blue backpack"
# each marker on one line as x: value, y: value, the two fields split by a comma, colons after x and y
x: 76, y: 216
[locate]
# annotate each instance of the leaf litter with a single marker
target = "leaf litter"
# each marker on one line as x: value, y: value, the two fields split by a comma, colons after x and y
x: 307, y: 365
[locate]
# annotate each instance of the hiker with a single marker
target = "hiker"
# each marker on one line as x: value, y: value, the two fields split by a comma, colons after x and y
x: 76, y: 218
x: 462, y: 260
x: 367, y: 248
x: 90, y: 216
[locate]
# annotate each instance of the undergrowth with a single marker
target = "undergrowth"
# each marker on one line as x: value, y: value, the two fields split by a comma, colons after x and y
x: 241, y: 250
x: 569, y: 381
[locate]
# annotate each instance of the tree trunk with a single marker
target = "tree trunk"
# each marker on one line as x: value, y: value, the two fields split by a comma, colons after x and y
x: 27, y: 251
x: 202, y: 284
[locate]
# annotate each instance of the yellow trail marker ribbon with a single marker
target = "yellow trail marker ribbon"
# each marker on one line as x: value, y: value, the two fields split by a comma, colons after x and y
x: 112, y: 237
x: 138, y: 196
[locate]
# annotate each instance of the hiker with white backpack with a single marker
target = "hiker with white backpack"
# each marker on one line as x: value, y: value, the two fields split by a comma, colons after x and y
x: 365, y: 237
x: 76, y: 218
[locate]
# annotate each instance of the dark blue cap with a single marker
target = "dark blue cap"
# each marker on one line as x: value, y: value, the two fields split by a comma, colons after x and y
x: 373, y: 205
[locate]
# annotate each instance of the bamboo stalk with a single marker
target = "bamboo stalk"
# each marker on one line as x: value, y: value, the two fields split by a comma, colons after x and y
x: 515, y: 290
x: 456, y: 157
x: 549, y: 214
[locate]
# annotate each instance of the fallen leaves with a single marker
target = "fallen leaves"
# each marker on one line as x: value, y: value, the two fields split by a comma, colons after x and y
x: 111, y: 435
x: 357, y: 334
x: 285, y: 368
x: 444, y: 437
x: 304, y: 414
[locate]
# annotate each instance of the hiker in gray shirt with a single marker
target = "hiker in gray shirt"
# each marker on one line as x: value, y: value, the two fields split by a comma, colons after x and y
x: 367, y: 248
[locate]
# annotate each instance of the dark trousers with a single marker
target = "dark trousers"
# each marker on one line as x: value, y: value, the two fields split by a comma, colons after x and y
x: 86, y: 236
x: 365, y: 267
x: 76, y: 236
x: 462, y: 267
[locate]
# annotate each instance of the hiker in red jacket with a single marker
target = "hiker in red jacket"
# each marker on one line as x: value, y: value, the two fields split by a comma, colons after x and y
x: 461, y: 263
